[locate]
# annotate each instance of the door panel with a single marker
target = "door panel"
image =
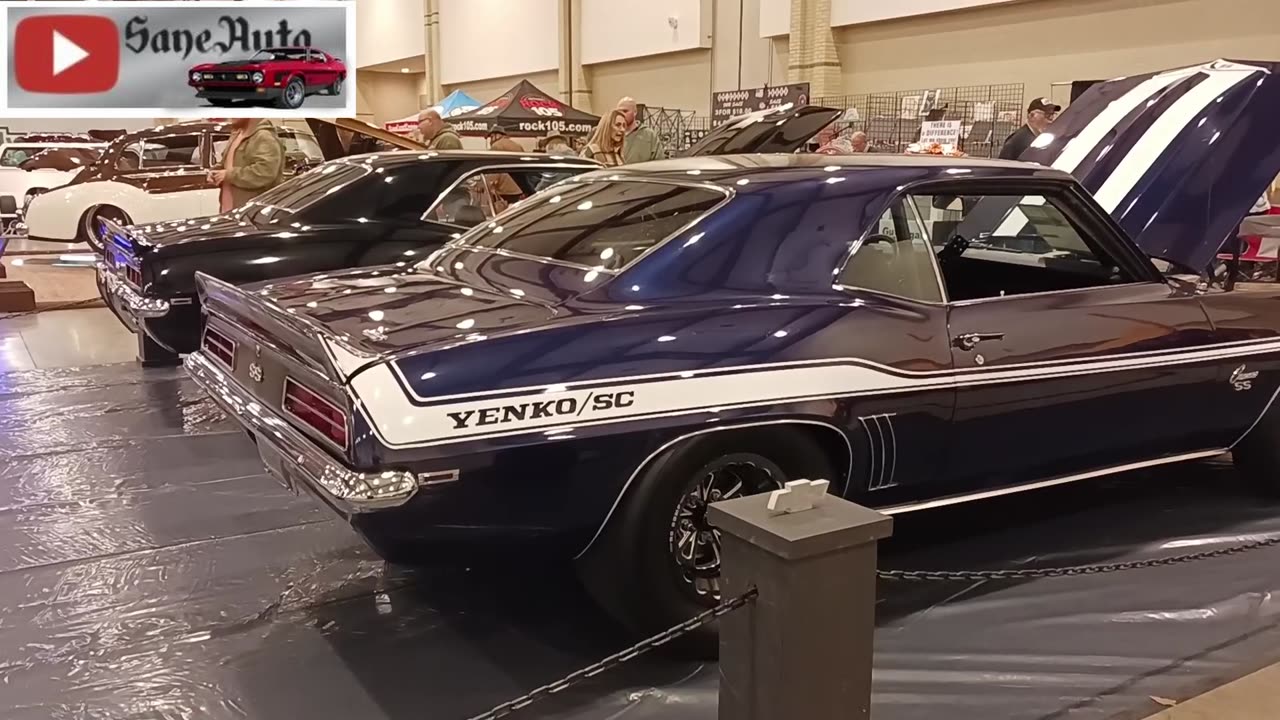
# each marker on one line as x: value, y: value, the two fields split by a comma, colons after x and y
x: 1066, y: 382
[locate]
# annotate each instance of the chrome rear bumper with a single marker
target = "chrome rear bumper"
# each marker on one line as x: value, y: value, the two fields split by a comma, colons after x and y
x: 293, y: 458
x: 137, y: 304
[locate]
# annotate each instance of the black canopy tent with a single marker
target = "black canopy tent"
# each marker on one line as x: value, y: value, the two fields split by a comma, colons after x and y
x: 525, y: 111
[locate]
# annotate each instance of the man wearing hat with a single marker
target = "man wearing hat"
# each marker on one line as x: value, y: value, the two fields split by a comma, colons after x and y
x: 502, y: 184
x: 1040, y: 114
x: 555, y: 143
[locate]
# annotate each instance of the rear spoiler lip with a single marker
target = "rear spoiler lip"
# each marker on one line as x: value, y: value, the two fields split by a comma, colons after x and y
x: 217, y: 297
x: 342, y: 362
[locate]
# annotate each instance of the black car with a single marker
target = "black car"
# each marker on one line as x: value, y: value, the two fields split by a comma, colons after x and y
x: 374, y: 209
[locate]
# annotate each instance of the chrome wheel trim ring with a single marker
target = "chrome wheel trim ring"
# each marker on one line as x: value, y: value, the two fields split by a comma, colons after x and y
x: 692, y: 544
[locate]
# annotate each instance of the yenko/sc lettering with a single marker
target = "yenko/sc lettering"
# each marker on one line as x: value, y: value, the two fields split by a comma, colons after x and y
x: 541, y: 409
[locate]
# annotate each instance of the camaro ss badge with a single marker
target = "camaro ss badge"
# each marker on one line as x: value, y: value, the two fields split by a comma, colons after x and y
x: 542, y: 409
x: 255, y: 372
x: 1242, y: 379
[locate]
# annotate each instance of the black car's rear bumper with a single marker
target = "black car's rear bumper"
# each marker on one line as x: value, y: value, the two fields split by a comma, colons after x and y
x: 238, y: 93
x: 173, y: 324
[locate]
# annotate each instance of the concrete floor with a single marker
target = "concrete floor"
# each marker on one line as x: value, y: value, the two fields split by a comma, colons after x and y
x: 64, y: 338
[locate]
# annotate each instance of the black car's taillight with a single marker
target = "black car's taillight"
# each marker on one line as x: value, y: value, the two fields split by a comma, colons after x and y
x: 317, y: 413
x: 133, y: 276
x: 221, y: 347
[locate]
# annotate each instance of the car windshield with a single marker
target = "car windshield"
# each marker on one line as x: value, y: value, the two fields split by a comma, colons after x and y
x: 293, y: 196
x: 15, y: 156
x: 279, y: 54
x: 602, y: 225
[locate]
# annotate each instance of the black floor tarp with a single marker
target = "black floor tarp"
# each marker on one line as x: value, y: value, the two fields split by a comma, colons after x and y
x: 149, y: 570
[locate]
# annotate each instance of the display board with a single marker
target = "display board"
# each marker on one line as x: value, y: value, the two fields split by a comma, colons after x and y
x: 732, y: 103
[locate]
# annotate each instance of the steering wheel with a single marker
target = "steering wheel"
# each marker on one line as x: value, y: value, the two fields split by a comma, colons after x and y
x: 878, y: 238
x: 954, y: 248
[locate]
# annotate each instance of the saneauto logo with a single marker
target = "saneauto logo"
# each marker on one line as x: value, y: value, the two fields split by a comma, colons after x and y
x: 225, y: 35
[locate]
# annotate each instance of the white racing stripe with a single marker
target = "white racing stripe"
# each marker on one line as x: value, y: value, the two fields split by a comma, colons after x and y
x: 1078, y: 148
x: 400, y: 423
x: 1146, y: 151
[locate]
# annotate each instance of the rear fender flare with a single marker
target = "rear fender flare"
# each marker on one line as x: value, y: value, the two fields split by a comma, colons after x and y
x: 683, y: 437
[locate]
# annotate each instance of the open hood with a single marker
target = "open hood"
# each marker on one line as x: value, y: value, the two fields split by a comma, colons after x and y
x: 364, y: 137
x: 773, y: 130
x: 1177, y: 157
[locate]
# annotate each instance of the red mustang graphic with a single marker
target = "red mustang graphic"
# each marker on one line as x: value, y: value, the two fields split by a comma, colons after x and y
x: 283, y: 76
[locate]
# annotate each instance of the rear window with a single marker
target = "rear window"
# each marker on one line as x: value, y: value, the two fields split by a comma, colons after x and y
x: 303, y: 190
x: 598, y: 225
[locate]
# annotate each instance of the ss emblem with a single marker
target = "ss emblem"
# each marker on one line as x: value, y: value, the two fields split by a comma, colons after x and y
x: 255, y: 372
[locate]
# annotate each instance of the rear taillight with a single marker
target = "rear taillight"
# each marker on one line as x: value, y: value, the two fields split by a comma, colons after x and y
x: 133, y: 276
x: 317, y: 413
x: 221, y: 347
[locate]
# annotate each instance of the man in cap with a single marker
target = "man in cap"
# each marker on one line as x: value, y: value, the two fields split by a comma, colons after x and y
x: 500, y: 140
x: 1040, y: 114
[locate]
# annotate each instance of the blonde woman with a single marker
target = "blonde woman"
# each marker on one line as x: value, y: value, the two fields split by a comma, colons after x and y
x: 605, y: 145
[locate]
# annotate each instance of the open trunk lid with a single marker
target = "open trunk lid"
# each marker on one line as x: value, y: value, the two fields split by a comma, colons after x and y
x: 782, y: 129
x: 333, y: 146
x: 1177, y: 157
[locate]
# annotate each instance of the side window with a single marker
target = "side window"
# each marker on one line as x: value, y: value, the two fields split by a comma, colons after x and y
x: 161, y: 153
x: 998, y: 245
x: 895, y: 257
x: 220, y: 142
x: 482, y: 195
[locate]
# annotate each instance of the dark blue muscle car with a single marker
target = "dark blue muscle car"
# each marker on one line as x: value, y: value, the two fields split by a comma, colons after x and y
x: 596, y: 365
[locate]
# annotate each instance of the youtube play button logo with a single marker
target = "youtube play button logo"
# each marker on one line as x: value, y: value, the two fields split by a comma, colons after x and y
x: 66, y: 54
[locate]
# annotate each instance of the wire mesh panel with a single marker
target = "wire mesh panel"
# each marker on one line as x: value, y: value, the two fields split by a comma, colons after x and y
x: 677, y: 128
x: 891, y: 120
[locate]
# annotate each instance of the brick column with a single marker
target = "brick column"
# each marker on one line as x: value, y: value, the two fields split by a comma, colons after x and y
x: 575, y: 88
x: 432, y: 86
x: 811, y: 54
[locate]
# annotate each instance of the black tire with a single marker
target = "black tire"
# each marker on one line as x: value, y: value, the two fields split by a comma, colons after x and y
x: 293, y: 94
x: 1257, y: 456
x: 335, y: 88
x: 632, y: 569
x: 88, y: 233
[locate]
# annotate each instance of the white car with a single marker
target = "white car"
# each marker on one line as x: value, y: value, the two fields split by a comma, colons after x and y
x: 32, y: 166
x: 149, y: 176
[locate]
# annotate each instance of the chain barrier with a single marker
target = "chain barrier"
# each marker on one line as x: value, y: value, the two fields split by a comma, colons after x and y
x: 1072, y: 570
x: 729, y: 606
x: 616, y: 659
x: 90, y: 302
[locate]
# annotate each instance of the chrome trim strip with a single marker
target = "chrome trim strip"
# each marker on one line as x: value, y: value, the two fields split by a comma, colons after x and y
x: 347, y: 490
x: 969, y: 497
x: 644, y: 463
x: 1254, y: 424
x: 584, y: 167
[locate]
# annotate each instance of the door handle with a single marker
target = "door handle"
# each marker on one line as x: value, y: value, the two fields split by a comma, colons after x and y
x: 969, y: 341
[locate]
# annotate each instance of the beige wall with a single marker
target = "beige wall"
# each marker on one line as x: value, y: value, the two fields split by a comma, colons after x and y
x: 383, y: 96
x: 673, y: 80
x: 1047, y: 41
x: 486, y: 90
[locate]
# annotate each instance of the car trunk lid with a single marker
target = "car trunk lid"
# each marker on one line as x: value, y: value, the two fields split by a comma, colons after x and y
x: 1177, y: 157
x: 782, y: 129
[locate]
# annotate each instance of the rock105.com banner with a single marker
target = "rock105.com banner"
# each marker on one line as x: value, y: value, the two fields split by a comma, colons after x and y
x: 268, y: 58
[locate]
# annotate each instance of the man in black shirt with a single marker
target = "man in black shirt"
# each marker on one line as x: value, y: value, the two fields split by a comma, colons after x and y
x: 1040, y: 113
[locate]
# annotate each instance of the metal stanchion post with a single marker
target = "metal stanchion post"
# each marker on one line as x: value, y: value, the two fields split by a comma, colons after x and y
x: 803, y: 649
